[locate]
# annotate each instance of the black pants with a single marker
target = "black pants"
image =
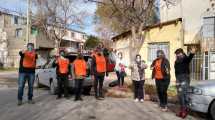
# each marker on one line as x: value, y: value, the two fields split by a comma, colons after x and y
x: 98, y: 85
x: 62, y: 83
x: 138, y: 89
x: 120, y: 78
x: 162, y: 87
x: 78, y: 88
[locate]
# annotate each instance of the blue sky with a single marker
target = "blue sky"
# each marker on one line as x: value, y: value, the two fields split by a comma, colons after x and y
x: 89, y: 28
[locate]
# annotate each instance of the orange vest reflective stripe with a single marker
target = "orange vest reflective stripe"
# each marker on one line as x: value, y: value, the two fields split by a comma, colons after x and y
x: 100, y: 64
x: 63, y: 65
x: 29, y: 60
x: 80, y: 67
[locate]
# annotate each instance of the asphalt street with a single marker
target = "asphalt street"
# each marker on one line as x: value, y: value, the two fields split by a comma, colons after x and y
x: 48, y: 108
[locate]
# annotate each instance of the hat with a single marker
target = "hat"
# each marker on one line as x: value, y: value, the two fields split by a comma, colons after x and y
x: 30, y: 44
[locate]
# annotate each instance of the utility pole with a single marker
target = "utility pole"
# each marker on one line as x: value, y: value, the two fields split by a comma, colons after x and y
x: 28, y: 22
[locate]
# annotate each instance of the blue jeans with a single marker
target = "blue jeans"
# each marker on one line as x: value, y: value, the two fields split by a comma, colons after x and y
x: 120, y: 78
x: 183, y: 83
x: 21, y: 84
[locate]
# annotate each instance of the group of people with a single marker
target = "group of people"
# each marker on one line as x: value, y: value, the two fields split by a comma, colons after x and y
x: 78, y: 70
x: 161, y: 73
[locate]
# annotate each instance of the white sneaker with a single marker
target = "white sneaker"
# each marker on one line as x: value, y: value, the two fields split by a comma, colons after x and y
x: 136, y: 100
x: 141, y: 100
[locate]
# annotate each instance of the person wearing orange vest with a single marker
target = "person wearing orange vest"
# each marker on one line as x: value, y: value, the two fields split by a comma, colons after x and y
x: 27, y: 70
x: 63, y: 71
x: 161, y: 74
x: 99, y: 70
x: 79, y: 73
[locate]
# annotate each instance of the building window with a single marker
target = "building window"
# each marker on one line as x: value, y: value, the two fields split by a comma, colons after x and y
x: 77, y: 45
x: 208, y: 27
x: 16, y: 20
x: 154, y: 47
x: 18, y: 32
x: 72, y: 34
x: 84, y: 36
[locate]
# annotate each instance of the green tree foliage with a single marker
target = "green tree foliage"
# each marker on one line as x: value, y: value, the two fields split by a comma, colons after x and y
x: 92, y: 42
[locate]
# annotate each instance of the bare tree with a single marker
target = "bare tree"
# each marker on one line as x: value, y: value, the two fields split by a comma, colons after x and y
x: 131, y: 15
x: 54, y: 17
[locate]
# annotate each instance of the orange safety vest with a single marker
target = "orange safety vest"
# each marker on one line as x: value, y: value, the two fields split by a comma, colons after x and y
x: 158, y: 71
x: 63, y: 65
x: 29, y: 60
x: 80, y: 67
x: 100, y: 64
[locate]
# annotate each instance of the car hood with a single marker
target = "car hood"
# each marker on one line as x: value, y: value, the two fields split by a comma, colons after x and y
x: 208, y: 87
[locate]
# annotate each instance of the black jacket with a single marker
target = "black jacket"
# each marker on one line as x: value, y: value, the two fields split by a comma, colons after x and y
x: 182, y: 65
x: 165, y: 68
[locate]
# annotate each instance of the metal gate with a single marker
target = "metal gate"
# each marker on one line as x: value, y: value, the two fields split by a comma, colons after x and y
x: 196, y: 67
x: 211, y: 69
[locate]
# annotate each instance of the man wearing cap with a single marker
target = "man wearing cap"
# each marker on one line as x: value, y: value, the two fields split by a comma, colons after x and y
x: 27, y: 70
x: 182, y: 73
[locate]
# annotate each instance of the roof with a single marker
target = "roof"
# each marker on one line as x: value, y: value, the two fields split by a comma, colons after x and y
x: 11, y: 12
x: 115, y: 38
x: 22, y: 15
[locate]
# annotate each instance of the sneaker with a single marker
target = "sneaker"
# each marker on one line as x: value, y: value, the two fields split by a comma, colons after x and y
x: 184, y: 113
x: 76, y: 99
x: 19, y: 103
x: 96, y: 97
x: 58, y: 98
x: 179, y: 114
x: 31, y: 102
x: 164, y: 109
x: 67, y: 98
x: 136, y: 100
x: 101, y: 98
x: 81, y: 99
x: 141, y: 100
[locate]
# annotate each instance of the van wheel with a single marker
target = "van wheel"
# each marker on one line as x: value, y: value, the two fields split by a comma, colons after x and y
x: 87, y: 90
x: 212, y: 110
x: 37, y: 83
x: 53, y: 89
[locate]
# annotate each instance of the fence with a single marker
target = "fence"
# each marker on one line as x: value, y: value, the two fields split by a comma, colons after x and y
x: 196, y: 67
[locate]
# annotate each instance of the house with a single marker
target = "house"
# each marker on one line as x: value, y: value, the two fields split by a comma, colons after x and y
x: 13, y: 39
x: 167, y: 36
x: 198, y: 20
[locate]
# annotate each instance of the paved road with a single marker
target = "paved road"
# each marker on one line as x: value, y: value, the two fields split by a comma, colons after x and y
x: 8, y: 79
x: 48, y: 108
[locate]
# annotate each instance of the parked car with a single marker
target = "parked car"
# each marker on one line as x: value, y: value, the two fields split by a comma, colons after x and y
x: 46, y: 76
x: 201, y: 97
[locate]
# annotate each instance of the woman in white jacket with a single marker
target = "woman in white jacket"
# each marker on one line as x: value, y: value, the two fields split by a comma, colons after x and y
x: 120, y: 69
x: 138, y: 76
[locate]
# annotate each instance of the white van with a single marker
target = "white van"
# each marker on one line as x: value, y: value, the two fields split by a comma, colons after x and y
x: 46, y: 76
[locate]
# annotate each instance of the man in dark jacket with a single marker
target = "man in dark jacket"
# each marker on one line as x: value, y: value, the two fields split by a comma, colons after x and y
x: 182, y: 73
x: 63, y: 71
x: 27, y: 70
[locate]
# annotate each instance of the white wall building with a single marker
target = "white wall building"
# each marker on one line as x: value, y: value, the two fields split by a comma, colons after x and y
x: 198, y: 20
